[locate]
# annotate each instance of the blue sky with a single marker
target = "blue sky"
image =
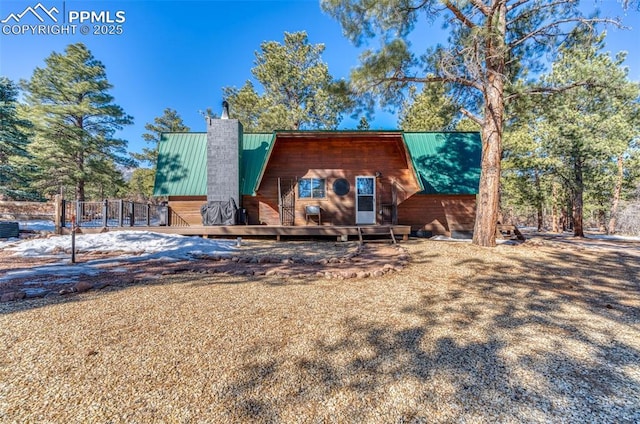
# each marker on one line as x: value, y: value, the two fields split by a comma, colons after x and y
x: 180, y: 54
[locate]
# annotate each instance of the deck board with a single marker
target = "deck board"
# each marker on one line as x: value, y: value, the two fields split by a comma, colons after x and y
x: 265, y: 230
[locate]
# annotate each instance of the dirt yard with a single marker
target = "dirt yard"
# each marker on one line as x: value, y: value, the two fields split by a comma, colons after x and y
x: 545, y: 331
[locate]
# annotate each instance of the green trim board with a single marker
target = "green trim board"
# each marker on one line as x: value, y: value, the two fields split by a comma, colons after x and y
x: 444, y: 162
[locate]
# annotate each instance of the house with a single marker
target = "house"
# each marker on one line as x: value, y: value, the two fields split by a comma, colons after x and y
x: 426, y: 180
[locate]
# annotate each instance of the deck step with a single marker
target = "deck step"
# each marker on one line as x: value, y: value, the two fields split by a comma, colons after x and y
x: 376, y: 231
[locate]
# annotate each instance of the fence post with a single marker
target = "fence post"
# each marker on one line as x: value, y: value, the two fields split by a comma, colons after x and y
x: 105, y: 213
x: 148, y: 214
x: 79, y: 213
x: 120, y: 213
x: 58, y: 217
x: 132, y: 213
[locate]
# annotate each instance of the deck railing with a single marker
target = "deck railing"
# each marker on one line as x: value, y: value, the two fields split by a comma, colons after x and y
x: 112, y: 213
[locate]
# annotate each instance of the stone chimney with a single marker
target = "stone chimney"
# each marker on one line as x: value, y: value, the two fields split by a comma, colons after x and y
x: 224, y: 150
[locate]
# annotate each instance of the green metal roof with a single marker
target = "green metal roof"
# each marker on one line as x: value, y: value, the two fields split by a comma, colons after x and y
x: 446, y: 162
x: 182, y: 163
x: 255, y: 150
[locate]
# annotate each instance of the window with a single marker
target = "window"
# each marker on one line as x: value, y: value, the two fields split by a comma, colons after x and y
x: 341, y: 187
x: 311, y: 188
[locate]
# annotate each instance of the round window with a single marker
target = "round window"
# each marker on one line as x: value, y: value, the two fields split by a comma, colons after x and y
x: 341, y: 187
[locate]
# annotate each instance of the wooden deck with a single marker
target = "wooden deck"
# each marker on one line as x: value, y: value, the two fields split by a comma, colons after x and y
x: 389, y: 232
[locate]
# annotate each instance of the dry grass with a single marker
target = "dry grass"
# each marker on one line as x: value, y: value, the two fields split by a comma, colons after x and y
x: 540, y: 332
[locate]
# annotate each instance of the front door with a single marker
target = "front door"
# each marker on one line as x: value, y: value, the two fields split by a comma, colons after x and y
x: 365, y: 200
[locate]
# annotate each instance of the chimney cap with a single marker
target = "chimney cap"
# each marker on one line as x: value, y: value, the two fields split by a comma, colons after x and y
x: 225, y: 110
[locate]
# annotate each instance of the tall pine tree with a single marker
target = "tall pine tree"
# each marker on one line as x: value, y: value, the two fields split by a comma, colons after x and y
x: 586, y: 130
x: 492, y: 46
x: 75, y: 120
x: 13, y: 141
x: 299, y: 93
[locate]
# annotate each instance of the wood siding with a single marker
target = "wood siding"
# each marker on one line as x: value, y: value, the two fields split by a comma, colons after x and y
x: 186, y: 209
x: 332, y: 159
x: 439, y: 214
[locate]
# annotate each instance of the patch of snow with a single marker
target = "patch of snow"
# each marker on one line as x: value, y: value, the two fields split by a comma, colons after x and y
x: 445, y: 238
x: 144, y: 243
x: 613, y: 237
x: 43, y: 225
x: 136, y: 246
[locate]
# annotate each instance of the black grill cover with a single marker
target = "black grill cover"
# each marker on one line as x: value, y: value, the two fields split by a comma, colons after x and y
x: 219, y: 212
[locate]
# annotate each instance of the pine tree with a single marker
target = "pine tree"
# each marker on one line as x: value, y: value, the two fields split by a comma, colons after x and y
x: 363, y: 125
x: 170, y: 121
x: 588, y: 128
x: 13, y: 142
x: 75, y: 120
x: 298, y: 91
x: 492, y: 47
x: 429, y: 110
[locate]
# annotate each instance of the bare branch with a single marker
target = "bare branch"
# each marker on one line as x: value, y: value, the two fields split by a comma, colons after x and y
x: 555, y: 24
x: 547, y: 90
x: 414, y: 8
x: 431, y: 79
x: 537, y: 9
x: 472, y: 116
x: 459, y: 15
x: 480, y: 6
x: 517, y: 5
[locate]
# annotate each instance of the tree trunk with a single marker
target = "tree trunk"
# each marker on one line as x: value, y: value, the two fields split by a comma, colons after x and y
x: 484, y: 232
x: 577, y: 200
x: 555, y: 220
x: 617, y: 191
x: 539, y: 202
x: 602, y: 217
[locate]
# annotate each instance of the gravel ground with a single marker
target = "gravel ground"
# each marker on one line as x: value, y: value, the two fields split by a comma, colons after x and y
x: 537, y: 332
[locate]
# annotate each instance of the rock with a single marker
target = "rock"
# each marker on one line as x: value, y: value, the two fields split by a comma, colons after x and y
x: 378, y: 273
x: 82, y: 286
x: 12, y: 296
x: 363, y: 274
x: 264, y: 260
x: 66, y: 290
x: 100, y: 286
x: 387, y: 266
x: 271, y: 272
x: 287, y: 261
x: 323, y: 261
x: 254, y: 260
x: 403, y: 257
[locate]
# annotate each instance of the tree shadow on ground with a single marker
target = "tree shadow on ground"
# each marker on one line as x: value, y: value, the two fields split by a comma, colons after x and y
x: 552, y: 338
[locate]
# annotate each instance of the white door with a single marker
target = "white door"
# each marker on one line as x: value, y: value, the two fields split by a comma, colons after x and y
x: 365, y: 200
